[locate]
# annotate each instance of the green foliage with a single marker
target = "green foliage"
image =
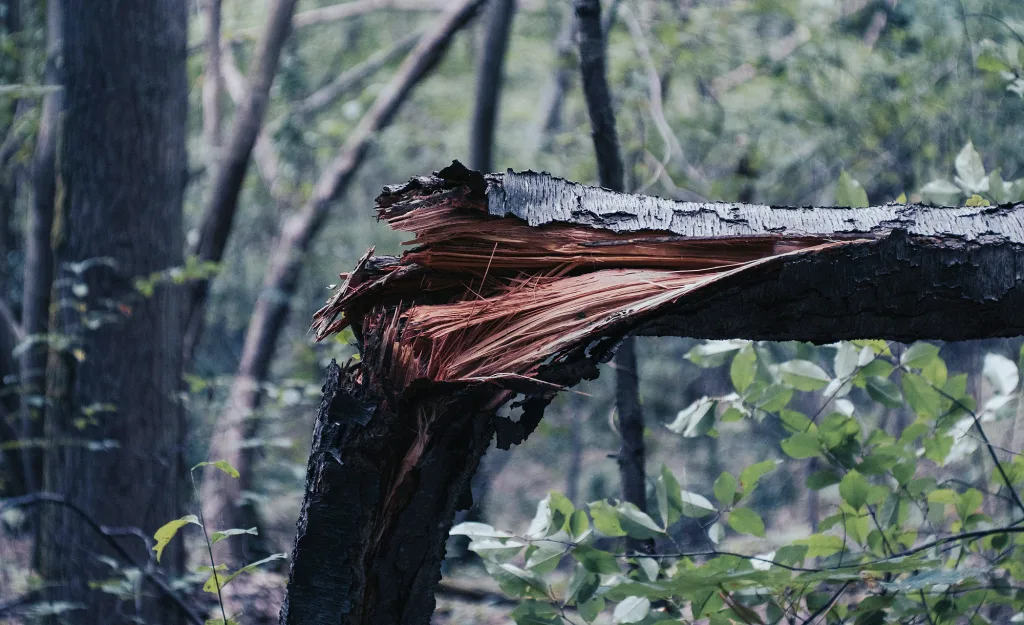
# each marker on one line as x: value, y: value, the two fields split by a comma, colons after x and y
x: 901, y: 541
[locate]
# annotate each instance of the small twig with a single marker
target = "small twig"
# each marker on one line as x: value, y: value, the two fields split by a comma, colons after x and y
x: 828, y: 606
x: 209, y: 547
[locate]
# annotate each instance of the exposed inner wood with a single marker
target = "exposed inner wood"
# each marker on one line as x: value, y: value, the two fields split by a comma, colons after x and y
x: 484, y: 298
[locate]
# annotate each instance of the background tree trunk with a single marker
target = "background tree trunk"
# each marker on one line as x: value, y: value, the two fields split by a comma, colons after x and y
x: 122, y: 171
x: 611, y: 175
x: 489, y: 80
x: 38, y: 282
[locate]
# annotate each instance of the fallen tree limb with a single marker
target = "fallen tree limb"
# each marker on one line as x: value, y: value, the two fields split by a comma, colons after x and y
x: 520, y: 284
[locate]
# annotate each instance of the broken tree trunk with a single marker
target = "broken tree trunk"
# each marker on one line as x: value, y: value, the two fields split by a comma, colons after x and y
x: 520, y: 284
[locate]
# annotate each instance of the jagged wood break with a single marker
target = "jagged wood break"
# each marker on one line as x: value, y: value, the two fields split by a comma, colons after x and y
x: 520, y: 284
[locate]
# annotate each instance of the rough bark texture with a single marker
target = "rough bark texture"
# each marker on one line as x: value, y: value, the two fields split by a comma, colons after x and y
x: 222, y: 203
x: 631, y: 460
x: 235, y: 424
x: 121, y: 170
x: 391, y: 473
x: 400, y: 432
x: 489, y: 79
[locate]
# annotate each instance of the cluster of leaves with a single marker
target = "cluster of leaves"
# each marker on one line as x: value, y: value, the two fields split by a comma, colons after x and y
x: 217, y: 575
x: 901, y: 543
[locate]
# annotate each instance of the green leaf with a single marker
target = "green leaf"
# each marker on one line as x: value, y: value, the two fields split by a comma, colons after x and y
x: 945, y: 496
x: 804, y: 375
x: 606, y: 519
x: 941, y: 193
x: 579, y: 524
x: 216, y: 537
x: 545, y: 556
x: 477, y: 530
x: 884, y: 391
x: 223, y: 465
x: 743, y: 369
x: 1001, y: 373
x: 850, y: 192
x: 802, y: 445
x: 987, y: 61
x: 746, y: 521
x: 695, y: 505
x: 514, y: 580
x: 636, y: 523
x: 217, y: 579
x: 822, y: 479
x: 168, y: 530
x: 714, y: 353
x: 919, y: 355
x: 854, y: 489
x: 696, y: 419
x: 968, y: 502
x: 753, y: 474
x: 669, y: 496
x: 725, y: 489
x: 582, y: 585
x: 821, y: 545
x: 631, y: 610
x: 531, y: 612
x: 970, y: 170
x: 561, y: 511
x: 922, y: 396
x: 596, y: 560
x: 590, y: 610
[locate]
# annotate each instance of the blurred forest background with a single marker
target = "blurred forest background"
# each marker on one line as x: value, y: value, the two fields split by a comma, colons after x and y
x: 784, y: 102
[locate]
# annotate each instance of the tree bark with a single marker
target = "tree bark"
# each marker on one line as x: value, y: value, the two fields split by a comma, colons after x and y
x: 221, y: 496
x: 38, y: 280
x: 552, y: 100
x: 212, y: 82
x: 386, y: 569
x: 489, y: 79
x: 121, y: 165
x: 400, y: 432
x: 222, y: 203
x: 631, y: 459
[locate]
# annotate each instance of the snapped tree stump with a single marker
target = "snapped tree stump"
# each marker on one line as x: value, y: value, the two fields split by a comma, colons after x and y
x: 521, y: 284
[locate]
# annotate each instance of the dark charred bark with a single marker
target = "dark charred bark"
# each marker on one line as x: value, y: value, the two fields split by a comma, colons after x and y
x: 229, y: 174
x: 119, y: 216
x: 400, y: 432
x: 235, y: 424
x: 385, y: 566
x: 489, y: 79
x: 632, y: 472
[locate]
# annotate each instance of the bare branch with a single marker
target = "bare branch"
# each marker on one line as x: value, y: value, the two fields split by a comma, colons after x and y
x: 347, y: 80
x: 226, y: 184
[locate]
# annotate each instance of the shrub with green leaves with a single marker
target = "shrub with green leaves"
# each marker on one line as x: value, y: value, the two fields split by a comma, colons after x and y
x: 922, y: 526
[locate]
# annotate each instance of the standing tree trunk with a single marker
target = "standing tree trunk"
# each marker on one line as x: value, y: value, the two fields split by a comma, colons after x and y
x: 489, y: 79
x: 222, y: 497
x: 122, y: 165
x: 38, y: 281
x: 212, y: 81
x: 611, y: 175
